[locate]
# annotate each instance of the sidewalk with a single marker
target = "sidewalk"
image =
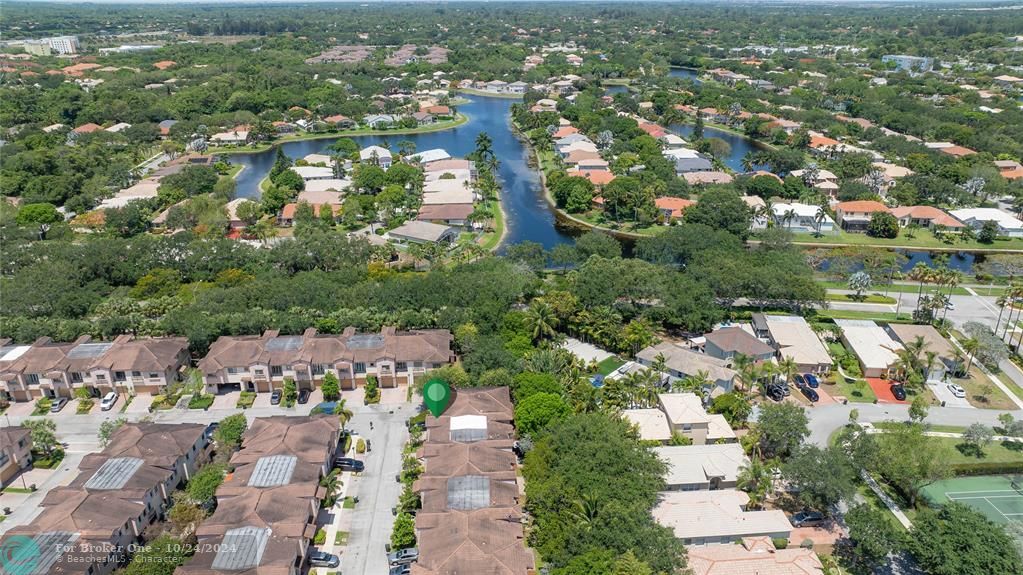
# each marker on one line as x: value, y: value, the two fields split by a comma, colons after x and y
x: 888, y: 502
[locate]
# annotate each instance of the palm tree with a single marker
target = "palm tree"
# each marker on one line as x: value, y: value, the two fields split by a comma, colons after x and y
x: 755, y: 479
x: 971, y: 346
x: 787, y: 218
x: 788, y: 367
x: 541, y: 320
x: 331, y: 484
x: 344, y: 415
x: 818, y: 220
x: 922, y: 274
x: 585, y: 510
x: 694, y: 383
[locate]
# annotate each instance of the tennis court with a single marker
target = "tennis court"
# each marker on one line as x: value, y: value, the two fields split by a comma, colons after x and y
x: 999, y: 497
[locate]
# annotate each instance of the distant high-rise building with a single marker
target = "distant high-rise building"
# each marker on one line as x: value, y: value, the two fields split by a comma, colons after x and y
x: 905, y: 63
x: 65, y: 44
x: 37, y: 47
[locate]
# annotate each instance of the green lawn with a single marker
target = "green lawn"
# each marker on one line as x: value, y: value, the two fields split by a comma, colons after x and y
x: 349, y: 503
x: 610, y: 364
x: 871, y: 298
x: 898, y: 288
x: 858, y: 392
x: 341, y: 538
x: 921, y: 239
x: 874, y: 501
x: 16, y: 490
x: 857, y: 314
x: 490, y: 240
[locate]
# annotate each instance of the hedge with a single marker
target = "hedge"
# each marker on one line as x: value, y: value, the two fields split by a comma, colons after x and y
x: 988, y: 468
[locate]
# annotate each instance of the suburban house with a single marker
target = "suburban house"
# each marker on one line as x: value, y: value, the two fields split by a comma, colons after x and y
x: 598, y: 178
x: 672, y: 208
x: 702, y: 467
x: 378, y: 121
x: 876, y: 350
x: 1009, y: 169
x: 340, y: 122
x: 261, y: 363
x: 15, y: 452
x: 471, y: 519
x: 804, y: 218
x: 266, y: 509
x: 376, y: 155
x: 793, y: 337
x: 926, y: 217
x: 754, y: 556
x: 287, y: 216
x: 1007, y: 224
x: 126, y: 365
x: 945, y: 358
x: 443, y: 166
x: 423, y: 232
x: 855, y: 216
x: 717, y: 517
x: 680, y: 413
x: 446, y: 214
x: 118, y: 493
x: 726, y: 342
x: 694, y: 164
x: 707, y: 178
x: 238, y: 136
x: 950, y: 149
x: 429, y: 156
x: 423, y: 118
x: 680, y: 363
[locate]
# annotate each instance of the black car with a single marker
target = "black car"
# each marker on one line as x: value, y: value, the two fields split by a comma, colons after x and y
x: 58, y: 404
x: 400, y: 570
x: 323, y: 559
x: 807, y: 519
x: 774, y: 392
x: 303, y: 396
x: 899, y: 392
x: 212, y: 427
x: 809, y: 393
x: 349, y: 464
x: 275, y: 397
x: 799, y: 379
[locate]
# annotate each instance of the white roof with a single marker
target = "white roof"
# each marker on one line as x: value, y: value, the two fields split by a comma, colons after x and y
x: 311, y: 172
x: 458, y: 174
x: 1004, y: 220
x: 318, y: 197
x: 718, y: 428
x: 427, y: 156
x: 333, y: 184
x: 652, y: 423
x: 118, y: 127
x: 796, y: 339
x: 821, y: 174
x: 682, y: 408
x: 870, y: 342
x: 689, y: 464
x: 319, y: 159
x: 445, y: 185
x: 420, y: 230
x: 232, y: 207
x: 232, y: 136
x: 672, y: 139
x: 53, y: 127
x: 462, y: 196
x: 719, y: 513
x: 680, y: 153
x: 801, y: 210
x: 459, y: 422
x: 579, y: 146
x: 367, y: 153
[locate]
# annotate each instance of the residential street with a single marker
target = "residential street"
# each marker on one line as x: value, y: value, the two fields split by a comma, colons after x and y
x: 824, y: 420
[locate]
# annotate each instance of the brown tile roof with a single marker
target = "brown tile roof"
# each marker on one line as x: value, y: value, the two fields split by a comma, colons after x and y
x: 477, y: 458
x: 433, y: 491
x: 439, y: 429
x: 957, y: 151
x: 696, y: 178
x: 290, y: 510
x: 310, y: 439
x: 494, y: 402
x: 857, y: 206
x: 449, y: 164
x: 164, y: 64
x: 934, y: 215
x: 596, y: 177
x: 278, y: 558
x: 445, y: 211
x: 159, y: 444
x: 142, y: 480
x: 756, y: 556
x: 148, y: 354
x: 10, y: 436
x: 94, y: 515
x: 736, y: 339
x: 675, y: 205
x: 486, y: 541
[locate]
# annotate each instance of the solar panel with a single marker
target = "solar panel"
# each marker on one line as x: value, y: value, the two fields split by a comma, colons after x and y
x: 87, y: 350
x: 273, y: 470
x: 284, y: 343
x: 468, y: 428
x: 242, y: 548
x: 114, y: 473
x: 468, y: 492
x: 365, y: 341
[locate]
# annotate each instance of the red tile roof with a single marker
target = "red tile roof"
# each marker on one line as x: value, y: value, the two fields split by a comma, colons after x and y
x: 676, y: 206
x: 596, y: 177
x: 867, y: 206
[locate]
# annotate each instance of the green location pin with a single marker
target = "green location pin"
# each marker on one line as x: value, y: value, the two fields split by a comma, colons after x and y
x: 436, y: 393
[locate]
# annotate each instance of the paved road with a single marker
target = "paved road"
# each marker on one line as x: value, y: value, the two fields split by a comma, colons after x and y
x: 979, y: 307
x: 824, y: 420
x: 376, y: 488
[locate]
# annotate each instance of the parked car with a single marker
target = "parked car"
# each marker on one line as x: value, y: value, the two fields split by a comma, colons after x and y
x: 323, y: 559
x: 810, y: 393
x: 108, y: 401
x: 956, y: 390
x: 775, y: 392
x: 899, y: 392
x: 275, y: 397
x: 799, y: 380
x: 212, y: 427
x: 807, y: 519
x: 403, y: 556
x: 303, y: 396
x: 400, y: 570
x: 812, y: 380
x: 349, y: 464
x: 58, y: 404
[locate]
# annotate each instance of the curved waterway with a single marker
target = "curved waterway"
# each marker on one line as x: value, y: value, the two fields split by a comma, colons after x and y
x: 528, y: 215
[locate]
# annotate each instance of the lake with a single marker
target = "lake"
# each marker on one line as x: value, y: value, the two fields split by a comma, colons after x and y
x: 528, y: 215
x: 685, y: 74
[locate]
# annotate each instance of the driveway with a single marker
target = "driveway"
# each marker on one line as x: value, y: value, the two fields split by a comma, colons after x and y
x: 21, y: 408
x: 262, y: 401
x: 371, y: 520
x: 227, y: 400
x: 393, y: 395
x: 584, y: 351
x: 140, y: 404
x: 883, y: 390
x: 941, y: 391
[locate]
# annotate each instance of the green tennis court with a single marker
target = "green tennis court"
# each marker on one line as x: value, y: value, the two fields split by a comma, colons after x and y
x: 999, y: 497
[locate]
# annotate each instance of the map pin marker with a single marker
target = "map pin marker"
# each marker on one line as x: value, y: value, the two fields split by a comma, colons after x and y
x: 436, y: 394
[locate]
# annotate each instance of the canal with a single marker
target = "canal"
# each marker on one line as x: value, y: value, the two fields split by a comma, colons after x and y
x: 528, y: 216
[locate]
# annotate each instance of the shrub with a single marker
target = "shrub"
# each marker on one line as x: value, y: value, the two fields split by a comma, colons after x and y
x: 403, y: 535
x: 780, y: 542
x: 321, y: 537
x: 360, y: 446
x: 200, y: 401
x: 246, y: 399
x: 290, y: 392
x: 348, y: 443
x: 229, y: 434
x: 988, y: 468
x: 203, y: 485
x: 43, y: 406
x: 330, y: 387
x: 85, y: 406
x: 372, y: 392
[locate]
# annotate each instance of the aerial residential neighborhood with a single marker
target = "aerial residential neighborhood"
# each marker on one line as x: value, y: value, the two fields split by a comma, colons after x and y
x: 671, y: 288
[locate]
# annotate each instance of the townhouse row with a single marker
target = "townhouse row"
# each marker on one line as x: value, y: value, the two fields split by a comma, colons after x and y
x: 266, y: 511
x: 258, y: 363
x: 92, y: 525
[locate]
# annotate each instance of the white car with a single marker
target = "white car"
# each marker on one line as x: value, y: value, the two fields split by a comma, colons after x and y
x: 108, y: 401
x: 956, y: 390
